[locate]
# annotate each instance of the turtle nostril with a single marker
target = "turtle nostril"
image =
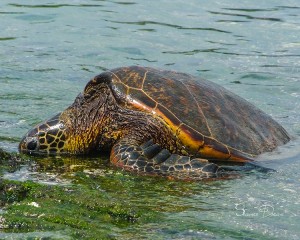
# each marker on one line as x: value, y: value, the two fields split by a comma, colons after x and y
x: 32, y: 144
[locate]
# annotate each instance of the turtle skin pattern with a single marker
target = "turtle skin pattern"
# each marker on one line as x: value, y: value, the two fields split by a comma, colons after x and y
x: 152, y: 159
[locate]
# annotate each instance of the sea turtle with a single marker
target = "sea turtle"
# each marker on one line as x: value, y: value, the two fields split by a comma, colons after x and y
x: 158, y: 122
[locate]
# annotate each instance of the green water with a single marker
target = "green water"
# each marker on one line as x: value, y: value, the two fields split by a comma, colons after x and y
x: 48, y: 52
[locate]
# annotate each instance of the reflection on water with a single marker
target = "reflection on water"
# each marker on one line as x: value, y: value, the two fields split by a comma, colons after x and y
x: 50, y: 50
x: 56, y: 170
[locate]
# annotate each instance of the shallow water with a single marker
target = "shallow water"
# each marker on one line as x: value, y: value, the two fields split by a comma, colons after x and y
x: 49, y: 50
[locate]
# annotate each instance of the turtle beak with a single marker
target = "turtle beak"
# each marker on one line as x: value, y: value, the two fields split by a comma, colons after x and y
x: 46, y: 138
x: 29, y: 143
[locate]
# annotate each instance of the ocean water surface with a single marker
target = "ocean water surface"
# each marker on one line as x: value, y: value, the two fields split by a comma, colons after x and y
x: 50, y: 49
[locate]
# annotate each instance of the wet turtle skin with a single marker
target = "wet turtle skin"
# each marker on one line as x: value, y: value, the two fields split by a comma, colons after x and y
x: 158, y: 122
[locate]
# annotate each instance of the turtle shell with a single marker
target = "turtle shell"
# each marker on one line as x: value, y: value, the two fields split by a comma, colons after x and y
x: 210, y: 121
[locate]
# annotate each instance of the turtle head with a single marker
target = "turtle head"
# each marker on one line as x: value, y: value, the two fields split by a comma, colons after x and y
x: 83, y: 127
x: 46, y: 138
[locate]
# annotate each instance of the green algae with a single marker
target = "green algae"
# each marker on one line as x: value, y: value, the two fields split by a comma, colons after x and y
x: 93, y: 204
x: 75, y: 210
x: 87, y: 198
x: 4, y: 155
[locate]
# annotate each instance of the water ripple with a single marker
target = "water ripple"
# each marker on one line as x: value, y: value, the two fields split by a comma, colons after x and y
x: 143, y: 23
x: 251, y: 9
x: 221, y: 51
x: 129, y: 50
x: 288, y: 7
x: 12, y: 12
x: 7, y: 38
x: 53, y: 5
x: 142, y: 59
x: 125, y: 3
x: 247, y: 16
x: 195, y: 51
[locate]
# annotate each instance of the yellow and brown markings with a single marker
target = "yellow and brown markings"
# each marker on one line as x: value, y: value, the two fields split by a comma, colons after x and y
x: 80, y: 137
x: 239, y: 156
x: 214, y: 149
x: 192, y: 89
x: 207, y: 119
x: 139, y: 99
x: 130, y: 76
x: 51, y: 137
x: 191, y: 139
x: 146, y: 91
x: 79, y: 142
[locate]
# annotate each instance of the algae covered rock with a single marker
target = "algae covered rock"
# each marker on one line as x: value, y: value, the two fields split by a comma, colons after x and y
x: 4, y: 155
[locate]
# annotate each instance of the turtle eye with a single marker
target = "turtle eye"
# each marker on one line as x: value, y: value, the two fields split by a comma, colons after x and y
x: 32, y: 144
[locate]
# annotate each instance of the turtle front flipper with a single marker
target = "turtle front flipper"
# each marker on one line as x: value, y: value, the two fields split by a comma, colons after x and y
x: 150, y: 158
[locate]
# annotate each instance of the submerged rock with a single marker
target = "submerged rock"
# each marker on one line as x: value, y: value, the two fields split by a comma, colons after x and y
x: 4, y: 155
